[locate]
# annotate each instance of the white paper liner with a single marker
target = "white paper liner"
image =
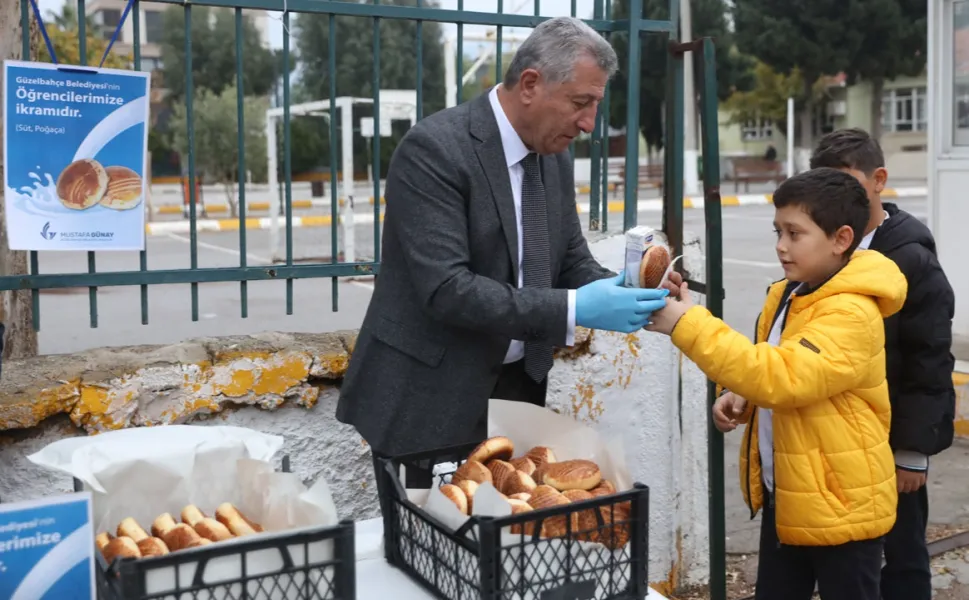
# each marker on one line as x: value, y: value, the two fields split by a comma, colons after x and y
x: 145, y: 472
x: 528, y: 426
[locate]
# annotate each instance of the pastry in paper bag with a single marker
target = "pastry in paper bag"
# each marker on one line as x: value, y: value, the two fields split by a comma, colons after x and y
x: 140, y: 478
x: 545, y: 451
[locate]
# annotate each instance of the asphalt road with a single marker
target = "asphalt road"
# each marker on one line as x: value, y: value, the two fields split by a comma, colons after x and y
x: 749, y: 266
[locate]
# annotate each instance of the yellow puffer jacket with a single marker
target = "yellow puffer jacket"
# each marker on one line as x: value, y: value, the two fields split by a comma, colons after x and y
x: 825, y: 382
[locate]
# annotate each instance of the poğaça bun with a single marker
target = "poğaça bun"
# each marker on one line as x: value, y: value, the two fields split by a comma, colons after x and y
x: 167, y: 535
x: 537, y: 480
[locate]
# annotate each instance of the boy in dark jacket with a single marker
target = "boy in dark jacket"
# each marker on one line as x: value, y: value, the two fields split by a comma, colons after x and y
x: 919, y: 362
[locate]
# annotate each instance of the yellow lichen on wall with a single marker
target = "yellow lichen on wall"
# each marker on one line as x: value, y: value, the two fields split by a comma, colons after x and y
x: 29, y: 408
x: 90, y: 410
x: 583, y: 399
x: 173, y: 393
x: 55, y: 400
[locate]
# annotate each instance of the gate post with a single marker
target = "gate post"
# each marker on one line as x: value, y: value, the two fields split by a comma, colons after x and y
x: 631, y: 185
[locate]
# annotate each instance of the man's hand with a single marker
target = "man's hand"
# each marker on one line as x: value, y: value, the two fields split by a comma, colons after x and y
x: 607, y: 304
x: 663, y: 321
x: 909, y: 481
x: 726, y: 410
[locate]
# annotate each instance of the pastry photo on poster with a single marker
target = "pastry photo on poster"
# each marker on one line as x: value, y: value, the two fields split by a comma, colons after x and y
x: 75, y: 142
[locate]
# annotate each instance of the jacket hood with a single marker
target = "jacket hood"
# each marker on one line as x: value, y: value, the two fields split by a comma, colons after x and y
x: 868, y: 273
x: 901, y: 229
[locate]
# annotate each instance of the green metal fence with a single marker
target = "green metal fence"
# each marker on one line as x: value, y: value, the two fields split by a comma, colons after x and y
x: 632, y: 29
x: 143, y: 277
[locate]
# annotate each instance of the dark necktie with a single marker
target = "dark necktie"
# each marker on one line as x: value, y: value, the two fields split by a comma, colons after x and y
x: 536, y: 269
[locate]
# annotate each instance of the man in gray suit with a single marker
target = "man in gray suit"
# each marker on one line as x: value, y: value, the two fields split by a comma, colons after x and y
x: 485, y: 268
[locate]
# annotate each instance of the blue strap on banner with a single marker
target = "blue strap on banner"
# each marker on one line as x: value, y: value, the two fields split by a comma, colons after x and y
x: 43, y: 31
x: 114, y: 36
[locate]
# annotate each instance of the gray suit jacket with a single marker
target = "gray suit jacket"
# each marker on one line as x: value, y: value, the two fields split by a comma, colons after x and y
x: 445, y: 305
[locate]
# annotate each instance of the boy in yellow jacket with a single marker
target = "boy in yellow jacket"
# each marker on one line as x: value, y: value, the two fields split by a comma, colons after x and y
x: 815, y: 455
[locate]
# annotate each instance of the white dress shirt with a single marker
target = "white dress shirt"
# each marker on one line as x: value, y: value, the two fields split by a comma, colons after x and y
x: 515, y: 152
x: 866, y: 241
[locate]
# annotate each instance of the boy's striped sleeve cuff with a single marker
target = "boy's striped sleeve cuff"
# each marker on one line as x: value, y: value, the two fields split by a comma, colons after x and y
x: 911, y: 461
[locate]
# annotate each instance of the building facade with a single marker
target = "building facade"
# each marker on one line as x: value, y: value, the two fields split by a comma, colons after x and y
x: 904, y: 121
x: 107, y: 14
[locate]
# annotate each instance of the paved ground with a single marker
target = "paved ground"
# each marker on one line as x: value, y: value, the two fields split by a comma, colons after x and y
x: 749, y: 266
x: 65, y: 315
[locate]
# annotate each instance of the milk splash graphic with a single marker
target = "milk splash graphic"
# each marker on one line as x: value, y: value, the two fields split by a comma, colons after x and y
x: 41, y: 199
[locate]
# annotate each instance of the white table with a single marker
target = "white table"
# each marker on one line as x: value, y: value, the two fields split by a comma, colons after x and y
x: 378, y: 580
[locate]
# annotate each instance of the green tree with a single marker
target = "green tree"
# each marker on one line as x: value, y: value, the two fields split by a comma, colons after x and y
x: 309, y: 144
x: 894, y: 45
x: 355, y: 60
x: 484, y: 79
x: 216, y: 130
x: 355, y: 66
x: 65, y: 36
x: 767, y: 99
x: 818, y: 37
x: 214, y: 53
x: 67, y: 18
x: 709, y: 20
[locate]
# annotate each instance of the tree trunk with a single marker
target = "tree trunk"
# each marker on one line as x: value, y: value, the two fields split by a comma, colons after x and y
x: 877, y: 90
x: 231, y: 197
x: 16, y: 311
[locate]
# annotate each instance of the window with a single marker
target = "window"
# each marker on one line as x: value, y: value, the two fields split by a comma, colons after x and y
x: 153, y: 26
x: 150, y: 64
x: 108, y: 20
x: 960, y: 73
x: 905, y: 109
x: 757, y: 129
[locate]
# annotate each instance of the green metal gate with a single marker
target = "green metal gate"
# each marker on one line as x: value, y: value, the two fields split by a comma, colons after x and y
x: 633, y: 28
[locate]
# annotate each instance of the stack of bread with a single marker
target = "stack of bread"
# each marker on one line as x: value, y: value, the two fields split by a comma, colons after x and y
x: 167, y: 535
x: 537, y: 480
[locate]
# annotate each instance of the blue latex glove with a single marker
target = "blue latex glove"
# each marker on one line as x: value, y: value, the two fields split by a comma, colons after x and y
x: 607, y: 304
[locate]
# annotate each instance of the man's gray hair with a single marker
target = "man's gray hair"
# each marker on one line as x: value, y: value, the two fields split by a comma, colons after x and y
x: 555, y: 46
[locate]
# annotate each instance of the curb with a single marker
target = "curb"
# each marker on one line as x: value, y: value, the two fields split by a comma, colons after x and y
x: 688, y: 202
x: 614, y: 206
x: 177, y: 209
x: 888, y: 192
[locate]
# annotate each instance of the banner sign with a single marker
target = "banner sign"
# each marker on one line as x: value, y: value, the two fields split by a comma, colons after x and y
x: 75, y: 145
x: 47, y: 549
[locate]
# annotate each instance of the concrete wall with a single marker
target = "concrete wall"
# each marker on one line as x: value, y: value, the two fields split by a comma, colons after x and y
x: 633, y: 386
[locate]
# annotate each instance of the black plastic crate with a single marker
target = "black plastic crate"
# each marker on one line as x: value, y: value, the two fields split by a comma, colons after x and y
x: 455, y: 566
x: 195, y: 574
x: 228, y: 570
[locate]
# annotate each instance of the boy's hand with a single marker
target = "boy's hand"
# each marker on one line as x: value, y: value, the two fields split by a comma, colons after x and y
x: 673, y: 284
x: 909, y: 481
x: 726, y: 410
x: 665, y: 319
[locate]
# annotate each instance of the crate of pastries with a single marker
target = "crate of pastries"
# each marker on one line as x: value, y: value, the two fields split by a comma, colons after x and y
x: 200, y: 513
x: 543, y: 509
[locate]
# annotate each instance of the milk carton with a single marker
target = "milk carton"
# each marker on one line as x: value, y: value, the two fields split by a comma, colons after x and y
x: 638, y: 239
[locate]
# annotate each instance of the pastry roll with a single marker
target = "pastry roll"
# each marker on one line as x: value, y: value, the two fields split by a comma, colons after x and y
x: 120, y: 547
x: 161, y: 525
x: 180, y: 537
x: 152, y: 547
x: 211, y: 529
x: 235, y: 521
x: 130, y: 528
